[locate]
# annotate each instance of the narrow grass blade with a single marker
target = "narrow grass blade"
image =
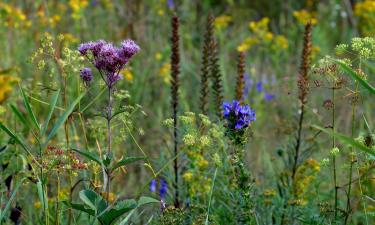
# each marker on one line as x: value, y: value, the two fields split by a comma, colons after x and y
x: 211, y: 193
x: 19, y: 115
x: 16, y: 138
x: 92, y: 102
x: 12, y: 196
x: 55, y: 97
x: 60, y: 121
x: 347, y: 140
x: 127, y: 160
x: 29, y: 110
x: 356, y: 77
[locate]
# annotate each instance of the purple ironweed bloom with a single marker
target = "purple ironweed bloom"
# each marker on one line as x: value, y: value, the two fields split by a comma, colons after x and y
x: 86, y: 75
x: 268, y: 96
x: 163, y: 188
x: 108, y: 59
x: 238, y: 116
x: 153, y: 184
x: 259, y: 86
x: 248, y: 84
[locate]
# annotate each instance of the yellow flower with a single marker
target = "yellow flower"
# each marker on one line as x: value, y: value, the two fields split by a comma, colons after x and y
x: 158, y: 56
x: 164, y: 72
x: 280, y: 42
x: 247, y: 44
x: 188, y: 176
x: 365, y: 11
x: 37, y: 204
x: 111, y: 196
x: 77, y: 6
x: 259, y: 26
x: 268, y: 36
x: 202, y: 163
x: 303, y: 17
x: 222, y: 22
x: 6, y: 86
x: 161, y: 12
x: 127, y: 74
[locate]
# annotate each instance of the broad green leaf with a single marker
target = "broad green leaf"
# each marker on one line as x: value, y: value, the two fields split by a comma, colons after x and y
x: 80, y: 207
x: 147, y: 200
x: 55, y: 97
x: 60, y: 121
x: 89, y: 155
x: 347, y: 140
x: 29, y: 110
x: 356, y: 77
x: 19, y: 115
x: 121, y: 207
x: 90, y: 198
x: 126, y: 161
x: 12, y: 196
x: 16, y: 138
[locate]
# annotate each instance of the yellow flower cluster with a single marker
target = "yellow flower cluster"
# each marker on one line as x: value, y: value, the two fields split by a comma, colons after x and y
x: 11, y: 16
x: 127, y: 74
x: 6, y: 86
x: 45, y: 20
x: 261, y: 35
x: 303, y: 17
x: 165, y: 72
x: 77, y: 7
x: 305, y: 175
x: 222, y: 22
x: 365, y: 11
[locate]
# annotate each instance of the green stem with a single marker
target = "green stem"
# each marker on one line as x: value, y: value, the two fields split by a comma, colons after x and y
x: 333, y: 155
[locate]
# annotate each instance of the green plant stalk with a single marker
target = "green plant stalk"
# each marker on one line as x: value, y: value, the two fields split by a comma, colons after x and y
x: 348, y: 207
x: 109, y: 140
x: 57, y: 219
x: 333, y: 156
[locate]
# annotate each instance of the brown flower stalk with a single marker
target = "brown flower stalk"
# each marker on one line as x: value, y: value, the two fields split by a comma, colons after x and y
x: 206, y: 57
x: 175, y: 70
x: 303, y: 86
x: 240, y: 77
x: 217, y: 87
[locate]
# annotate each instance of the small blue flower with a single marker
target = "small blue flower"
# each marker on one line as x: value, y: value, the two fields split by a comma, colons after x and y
x: 248, y: 84
x: 86, y: 75
x: 238, y: 116
x: 163, y: 188
x: 268, y: 96
x: 259, y: 86
x: 153, y: 184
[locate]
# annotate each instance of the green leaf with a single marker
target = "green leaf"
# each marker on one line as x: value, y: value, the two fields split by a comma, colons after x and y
x: 12, y: 196
x: 121, y: 207
x: 347, y: 140
x: 147, y: 200
x: 80, y: 207
x: 29, y: 110
x: 127, y: 160
x: 19, y: 115
x: 55, y: 97
x: 60, y: 121
x: 356, y: 77
x: 89, y: 155
x: 90, y: 198
x: 42, y: 195
x: 16, y: 138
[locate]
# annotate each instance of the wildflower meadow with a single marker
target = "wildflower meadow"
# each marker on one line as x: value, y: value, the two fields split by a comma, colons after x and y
x: 187, y: 112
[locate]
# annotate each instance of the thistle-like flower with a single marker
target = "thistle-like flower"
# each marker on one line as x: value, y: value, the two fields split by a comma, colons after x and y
x: 108, y: 59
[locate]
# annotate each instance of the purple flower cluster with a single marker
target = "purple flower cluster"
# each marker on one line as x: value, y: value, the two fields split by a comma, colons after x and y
x: 108, y: 59
x: 86, y: 75
x: 238, y: 116
x: 162, y: 189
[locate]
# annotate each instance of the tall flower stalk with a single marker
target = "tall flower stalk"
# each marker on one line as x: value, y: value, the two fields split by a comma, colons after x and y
x: 303, y: 86
x: 240, y: 83
x: 217, y: 83
x: 109, y: 61
x: 175, y: 71
x: 206, y: 58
